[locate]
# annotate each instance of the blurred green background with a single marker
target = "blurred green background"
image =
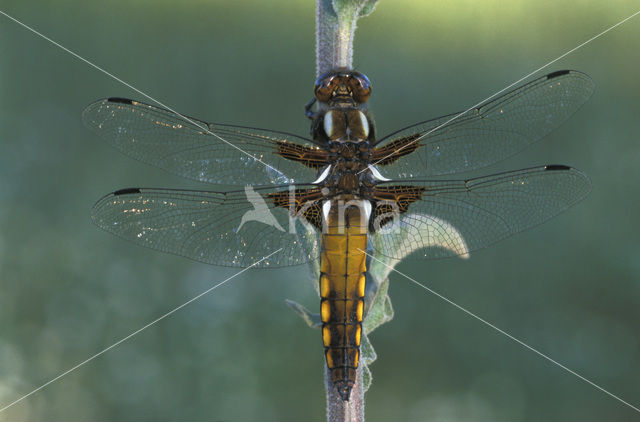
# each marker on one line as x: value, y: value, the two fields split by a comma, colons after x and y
x: 570, y: 288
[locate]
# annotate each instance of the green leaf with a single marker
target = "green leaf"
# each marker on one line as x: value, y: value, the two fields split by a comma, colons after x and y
x: 312, y: 320
x: 380, y: 310
x: 368, y: 8
x: 354, y: 8
x: 367, y: 357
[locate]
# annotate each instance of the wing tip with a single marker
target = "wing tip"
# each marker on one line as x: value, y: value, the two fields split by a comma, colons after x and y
x: 91, y: 111
x: 120, y: 100
x: 557, y: 73
x: 126, y: 191
x: 555, y: 167
x: 587, y: 81
x: 584, y: 189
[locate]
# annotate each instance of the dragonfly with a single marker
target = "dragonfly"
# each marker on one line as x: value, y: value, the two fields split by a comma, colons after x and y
x: 342, y: 191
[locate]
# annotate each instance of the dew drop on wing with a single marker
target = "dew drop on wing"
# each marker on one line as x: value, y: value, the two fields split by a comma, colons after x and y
x: 277, y: 176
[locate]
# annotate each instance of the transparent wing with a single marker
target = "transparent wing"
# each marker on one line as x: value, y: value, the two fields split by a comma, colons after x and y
x: 230, y: 229
x: 454, y: 217
x: 207, y: 152
x: 487, y: 134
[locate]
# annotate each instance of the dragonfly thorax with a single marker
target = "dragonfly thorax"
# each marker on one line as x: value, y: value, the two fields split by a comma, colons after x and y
x: 348, y: 151
x: 350, y: 124
x: 350, y: 177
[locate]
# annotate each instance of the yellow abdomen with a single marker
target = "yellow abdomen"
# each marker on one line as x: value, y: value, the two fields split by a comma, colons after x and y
x: 342, y: 286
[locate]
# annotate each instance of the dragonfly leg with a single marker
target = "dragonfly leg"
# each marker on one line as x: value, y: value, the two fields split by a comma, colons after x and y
x: 307, y: 109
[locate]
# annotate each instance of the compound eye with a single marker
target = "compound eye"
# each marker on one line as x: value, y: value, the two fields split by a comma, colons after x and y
x: 324, y: 88
x: 360, y: 87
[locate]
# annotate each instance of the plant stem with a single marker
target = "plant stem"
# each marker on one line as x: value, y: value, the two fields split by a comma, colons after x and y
x: 345, y: 411
x: 334, y: 38
x: 335, y: 29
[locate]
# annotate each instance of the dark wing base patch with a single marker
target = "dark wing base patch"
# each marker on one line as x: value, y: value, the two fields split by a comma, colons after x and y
x: 395, y: 149
x: 314, y: 158
x: 305, y: 203
x: 391, y: 201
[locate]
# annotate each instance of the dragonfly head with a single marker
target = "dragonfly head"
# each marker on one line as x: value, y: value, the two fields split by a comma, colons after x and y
x: 343, y: 86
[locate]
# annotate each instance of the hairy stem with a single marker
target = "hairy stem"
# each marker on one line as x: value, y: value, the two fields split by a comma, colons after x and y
x: 345, y: 411
x: 335, y: 29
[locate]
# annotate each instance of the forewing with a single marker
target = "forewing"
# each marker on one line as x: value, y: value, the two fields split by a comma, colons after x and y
x: 231, y: 229
x: 455, y: 217
x: 487, y: 134
x: 207, y: 152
